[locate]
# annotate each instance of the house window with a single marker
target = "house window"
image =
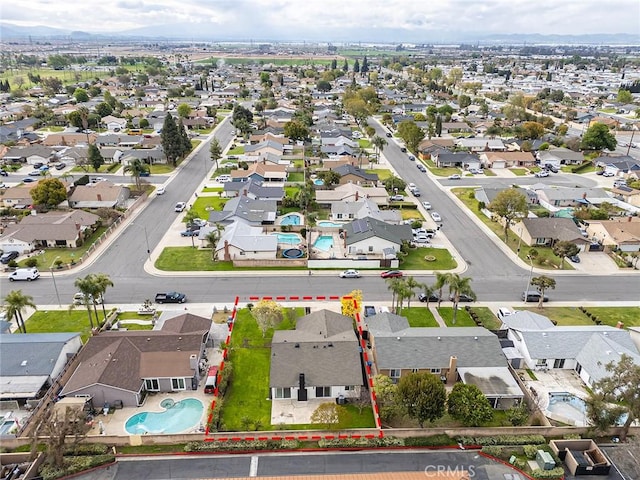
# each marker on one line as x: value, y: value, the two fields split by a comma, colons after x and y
x: 541, y: 241
x: 242, y: 252
x: 578, y: 368
x: 436, y: 371
x: 339, y: 216
x: 152, y: 385
x: 349, y: 388
x: 323, y: 392
x: 415, y: 370
x: 177, y: 384
x: 394, y: 373
x: 351, y: 216
x: 283, y: 392
x: 558, y: 363
x: 370, y: 248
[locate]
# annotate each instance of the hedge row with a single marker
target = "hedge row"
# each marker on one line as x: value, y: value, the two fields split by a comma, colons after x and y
x: 74, y: 465
x: 242, y: 445
x: 503, y: 440
x: 361, y: 442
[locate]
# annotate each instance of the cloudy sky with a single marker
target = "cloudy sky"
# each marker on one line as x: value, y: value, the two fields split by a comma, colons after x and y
x: 352, y: 18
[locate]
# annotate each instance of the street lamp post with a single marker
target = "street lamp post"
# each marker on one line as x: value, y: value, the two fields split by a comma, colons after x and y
x: 53, y: 277
x: 526, y: 289
x: 633, y: 132
x: 146, y: 238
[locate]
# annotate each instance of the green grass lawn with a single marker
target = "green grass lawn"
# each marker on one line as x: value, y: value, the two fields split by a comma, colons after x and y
x: 415, y: 259
x: 212, y: 190
x: 238, y: 150
x: 202, y: 205
x: 67, y: 255
x: 441, y: 171
x: 567, y: 316
x: 520, y: 172
x: 189, y: 259
x: 488, y: 319
x: 53, y: 321
x: 295, y: 177
x: 291, y: 191
x: 462, y: 319
x: 489, y: 173
x: 364, y: 143
x: 419, y: 316
x: 161, y: 168
x: 382, y: 173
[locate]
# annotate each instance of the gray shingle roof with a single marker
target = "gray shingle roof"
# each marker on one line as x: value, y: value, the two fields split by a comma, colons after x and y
x: 323, y: 346
x: 524, y: 320
x: 370, y: 227
x: 40, y: 351
x: 553, y: 227
x: 601, y: 350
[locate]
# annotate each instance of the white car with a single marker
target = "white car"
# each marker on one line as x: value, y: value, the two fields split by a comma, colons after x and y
x: 455, y: 176
x: 607, y: 174
x: 426, y: 205
x: 350, y: 274
x: 160, y: 190
x: 542, y: 173
x: 436, y: 217
x: 180, y: 206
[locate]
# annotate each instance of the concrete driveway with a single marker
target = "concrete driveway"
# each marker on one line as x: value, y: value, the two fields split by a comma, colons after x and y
x: 595, y: 263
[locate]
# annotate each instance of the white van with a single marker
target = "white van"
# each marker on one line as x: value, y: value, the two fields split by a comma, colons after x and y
x: 504, y: 312
x: 27, y: 274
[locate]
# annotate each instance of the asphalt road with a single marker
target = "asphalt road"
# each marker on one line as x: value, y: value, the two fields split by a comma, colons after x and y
x: 495, y: 276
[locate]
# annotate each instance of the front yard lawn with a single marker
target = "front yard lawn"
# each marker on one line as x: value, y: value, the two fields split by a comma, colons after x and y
x: 415, y: 259
x: 55, y: 321
x: 161, y: 168
x: 441, y: 171
x: 520, y: 172
x: 488, y: 319
x: 462, y: 319
x: 202, y: 205
x: 382, y: 173
x: 239, y: 150
x: 419, y: 316
x: 569, y: 316
x: 189, y: 259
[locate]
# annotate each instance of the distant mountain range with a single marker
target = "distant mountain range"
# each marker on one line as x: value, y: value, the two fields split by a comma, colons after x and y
x: 216, y: 33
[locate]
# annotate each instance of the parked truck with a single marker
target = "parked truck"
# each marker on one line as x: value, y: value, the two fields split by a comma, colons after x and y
x: 171, y: 297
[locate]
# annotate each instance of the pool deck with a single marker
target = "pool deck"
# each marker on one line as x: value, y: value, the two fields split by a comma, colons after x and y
x: 337, y: 251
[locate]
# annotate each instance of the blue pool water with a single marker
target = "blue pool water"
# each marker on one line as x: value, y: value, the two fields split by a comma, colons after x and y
x: 288, y: 238
x: 329, y: 224
x: 182, y: 416
x: 291, y: 219
x: 324, y: 243
x: 318, y: 181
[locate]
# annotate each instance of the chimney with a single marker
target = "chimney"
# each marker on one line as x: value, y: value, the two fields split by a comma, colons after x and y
x: 301, y: 381
x: 452, y: 374
x: 227, y: 257
x: 99, y: 197
x: 357, y: 195
x: 77, y: 226
x: 244, y: 192
x: 344, y: 237
x: 584, y: 196
x: 193, y: 361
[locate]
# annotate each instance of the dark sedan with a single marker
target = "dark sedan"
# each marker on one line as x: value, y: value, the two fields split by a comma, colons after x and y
x: 423, y: 297
x: 463, y: 298
x: 391, y: 274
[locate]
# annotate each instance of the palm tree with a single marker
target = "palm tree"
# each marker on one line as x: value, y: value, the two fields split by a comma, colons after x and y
x: 395, y: 285
x: 216, y: 151
x: 442, y: 279
x: 459, y: 286
x: 428, y: 291
x: 84, y: 119
x: 102, y: 282
x: 136, y: 168
x: 89, y: 289
x: 411, y: 284
x: 14, y: 303
x: 379, y: 143
x: 212, y: 238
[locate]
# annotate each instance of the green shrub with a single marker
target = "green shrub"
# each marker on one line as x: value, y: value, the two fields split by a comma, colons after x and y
x: 493, y: 450
x: 361, y: 442
x: 441, y: 440
x: 557, y: 472
x: 74, y: 465
x: 503, y: 440
x: 242, y: 445
x: 530, y: 451
x: 31, y: 262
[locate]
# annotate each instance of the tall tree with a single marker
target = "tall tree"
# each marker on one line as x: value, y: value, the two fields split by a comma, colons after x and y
x: 95, y: 157
x: 379, y: 143
x: 542, y: 283
x: 564, y: 249
x: 509, y: 204
x: 411, y: 285
x: 184, y: 109
x: 468, y: 404
x: 598, y: 137
x: 14, y: 304
x: 49, y: 193
x: 296, y: 131
x: 619, y: 392
x: 136, y: 168
x: 89, y: 289
x: 423, y: 395
x: 268, y: 314
x: 102, y: 282
x: 172, y: 142
x: 442, y: 280
x: 459, y: 286
x: 215, y: 150
x: 411, y: 134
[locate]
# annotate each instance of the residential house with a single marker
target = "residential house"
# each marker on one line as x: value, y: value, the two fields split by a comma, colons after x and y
x: 612, y: 123
x: 546, y: 231
x: 149, y: 156
x: 254, y: 212
x: 560, y: 156
x: 488, y: 194
x: 351, y: 192
x: 254, y: 189
x: 480, y: 144
x: 18, y: 197
x: 622, y: 233
x: 118, y: 140
x: 259, y: 149
x: 371, y: 237
x: 31, y: 362
x: 68, y: 139
x: 126, y: 366
x: 456, y: 127
x: 261, y: 171
x: 620, y: 166
x: 29, y: 155
x: 627, y: 194
x: 114, y: 124
x: 102, y: 194
x: 472, y: 355
x: 459, y: 160
x: 353, y: 174
x: 507, y: 159
x: 242, y: 241
x: 363, y: 208
x: 585, y: 349
x: 337, y: 150
x: 53, y: 229
x: 556, y: 198
x: 320, y: 359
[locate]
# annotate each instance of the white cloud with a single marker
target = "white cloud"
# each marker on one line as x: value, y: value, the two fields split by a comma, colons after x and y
x: 355, y: 16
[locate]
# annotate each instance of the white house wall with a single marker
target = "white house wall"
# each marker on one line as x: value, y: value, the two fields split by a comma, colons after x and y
x: 378, y: 245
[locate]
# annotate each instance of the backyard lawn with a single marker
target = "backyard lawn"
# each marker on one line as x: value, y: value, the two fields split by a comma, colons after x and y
x: 415, y: 260
x: 295, y: 177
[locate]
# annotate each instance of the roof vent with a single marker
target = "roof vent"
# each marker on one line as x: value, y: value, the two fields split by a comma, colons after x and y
x: 330, y: 344
x: 297, y: 345
x: 544, y: 334
x: 439, y: 338
x: 475, y: 338
x: 24, y: 363
x: 397, y: 338
x: 606, y: 334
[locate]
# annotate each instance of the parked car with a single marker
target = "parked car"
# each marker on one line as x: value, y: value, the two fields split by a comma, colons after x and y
x: 423, y: 297
x: 403, y: 149
x: 180, y: 206
x: 60, y: 166
x: 606, y: 173
x: 198, y: 222
x: 462, y: 298
x: 160, y: 190
x: 476, y: 171
x: 600, y: 172
x: 35, y: 173
x: 412, y: 158
x: 8, y: 256
x: 421, y: 167
x: 27, y: 274
x: 350, y: 274
x: 28, y: 180
x: 388, y: 134
x: 190, y: 233
x: 436, y: 217
x: 391, y: 274
x: 426, y: 205
x: 504, y: 312
x: 455, y: 176
x: 416, y: 192
x: 4, y: 173
x: 171, y: 297
x: 532, y: 296
x: 542, y: 173
x: 575, y: 259
x: 78, y: 299
x: 369, y: 310
x: 396, y: 198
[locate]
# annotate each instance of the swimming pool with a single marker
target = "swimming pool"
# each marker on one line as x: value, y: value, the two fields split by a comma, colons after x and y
x: 177, y: 418
x: 567, y: 408
x: 330, y: 224
x: 319, y: 182
x: 291, y: 219
x: 288, y: 238
x: 324, y: 243
x: 8, y: 427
